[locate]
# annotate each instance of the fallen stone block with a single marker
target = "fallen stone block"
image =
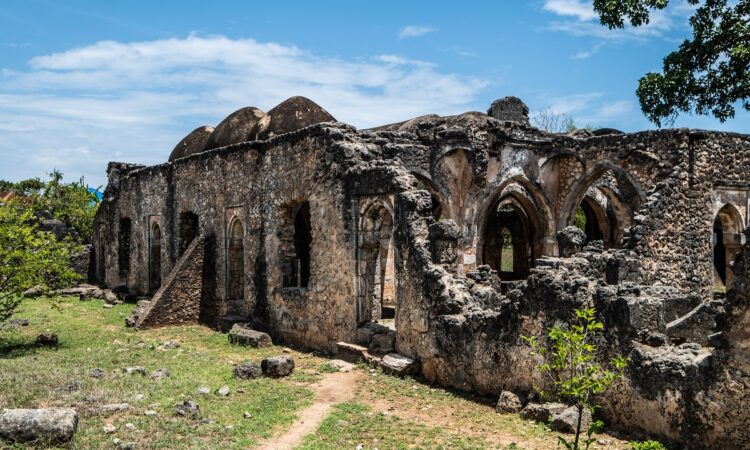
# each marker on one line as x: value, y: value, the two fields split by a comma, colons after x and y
x: 567, y: 420
x: 188, y: 408
x: 134, y: 370
x: 277, y: 366
x: 508, y: 403
x: 542, y: 412
x: 241, y: 335
x: 248, y: 371
x: 45, y: 424
x: 341, y: 366
x: 396, y: 364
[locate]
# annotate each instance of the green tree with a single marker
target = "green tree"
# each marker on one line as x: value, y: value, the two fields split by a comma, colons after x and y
x: 72, y: 203
x: 29, y: 257
x: 570, y: 361
x: 708, y: 74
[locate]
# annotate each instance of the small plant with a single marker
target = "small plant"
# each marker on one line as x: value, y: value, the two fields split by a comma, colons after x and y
x: 647, y: 445
x: 570, y: 362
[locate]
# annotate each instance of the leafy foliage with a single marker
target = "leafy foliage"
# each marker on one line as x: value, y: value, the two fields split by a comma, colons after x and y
x: 570, y: 361
x: 647, y: 445
x: 72, y: 203
x: 29, y: 257
x: 709, y: 74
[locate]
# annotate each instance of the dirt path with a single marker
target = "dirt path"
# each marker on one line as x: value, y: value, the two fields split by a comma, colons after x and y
x: 332, y: 389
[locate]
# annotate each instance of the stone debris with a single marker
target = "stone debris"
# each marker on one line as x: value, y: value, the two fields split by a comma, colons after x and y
x: 160, y: 374
x: 248, y: 370
x: 567, y: 420
x: 342, y: 366
x: 113, y: 408
x: 44, y: 424
x: 395, y: 364
x: 542, y: 412
x: 204, y: 390
x: 242, y: 335
x: 223, y: 391
x: 149, y: 413
x: 277, y: 366
x: 109, y: 428
x: 188, y: 408
x: 508, y: 403
x: 134, y: 370
x: 247, y: 415
x: 47, y: 340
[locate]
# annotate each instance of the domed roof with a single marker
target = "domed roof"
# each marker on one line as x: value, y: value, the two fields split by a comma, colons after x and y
x: 290, y: 115
x: 235, y: 128
x: 194, y: 142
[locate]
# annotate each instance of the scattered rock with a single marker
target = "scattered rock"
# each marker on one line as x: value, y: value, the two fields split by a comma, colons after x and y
x: 135, y: 370
x: 109, y: 428
x: 542, y: 412
x: 160, y: 374
x: 45, y: 424
x: 247, y: 415
x: 223, y: 391
x: 342, y: 366
x: 277, y: 366
x: 188, y: 408
x: 242, y: 335
x: 96, y: 372
x: 396, y: 364
x: 204, y: 390
x: 75, y: 386
x: 35, y: 291
x: 113, y: 408
x: 139, y: 397
x: 108, y: 306
x: 567, y: 420
x: 110, y: 298
x: 128, y: 446
x: 508, y: 403
x: 12, y: 324
x: 91, y: 293
x: 47, y: 340
x: 168, y: 345
x: 149, y: 413
x: 248, y: 370
x: 129, y: 426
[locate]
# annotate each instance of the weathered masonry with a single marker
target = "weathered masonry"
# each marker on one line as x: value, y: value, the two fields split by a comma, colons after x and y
x: 454, y: 234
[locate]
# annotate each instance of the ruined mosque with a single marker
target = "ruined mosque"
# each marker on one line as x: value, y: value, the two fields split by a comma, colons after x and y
x: 447, y: 239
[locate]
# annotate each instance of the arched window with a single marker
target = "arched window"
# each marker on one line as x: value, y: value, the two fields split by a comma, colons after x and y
x: 377, y: 282
x: 123, y: 247
x: 302, y: 244
x: 236, y: 262
x: 155, y: 258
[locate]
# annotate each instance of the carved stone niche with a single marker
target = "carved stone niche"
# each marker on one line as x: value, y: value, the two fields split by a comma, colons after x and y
x: 444, y: 244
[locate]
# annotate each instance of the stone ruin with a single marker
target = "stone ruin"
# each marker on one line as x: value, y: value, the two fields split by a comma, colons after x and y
x: 445, y: 239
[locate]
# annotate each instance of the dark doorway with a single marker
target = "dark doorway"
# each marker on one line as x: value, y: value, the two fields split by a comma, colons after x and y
x: 123, y: 247
x: 302, y: 243
x: 155, y: 258
x: 236, y: 262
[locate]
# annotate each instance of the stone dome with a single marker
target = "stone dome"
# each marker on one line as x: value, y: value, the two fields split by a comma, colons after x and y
x: 195, y: 142
x: 235, y: 128
x: 290, y: 115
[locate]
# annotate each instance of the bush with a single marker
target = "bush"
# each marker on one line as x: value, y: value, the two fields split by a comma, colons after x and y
x: 647, y: 445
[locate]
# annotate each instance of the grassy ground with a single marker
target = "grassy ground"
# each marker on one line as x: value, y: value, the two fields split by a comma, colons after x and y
x: 387, y: 412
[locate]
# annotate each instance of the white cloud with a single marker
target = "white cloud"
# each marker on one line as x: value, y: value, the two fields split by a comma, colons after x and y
x: 586, y: 23
x: 134, y: 101
x: 411, y: 31
x: 584, y: 54
x: 590, y: 108
x: 582, y: 10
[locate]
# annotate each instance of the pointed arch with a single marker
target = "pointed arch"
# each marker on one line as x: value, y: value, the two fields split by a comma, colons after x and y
x: 727, y: 241
x: 235, y: 260
x: 376, y: 260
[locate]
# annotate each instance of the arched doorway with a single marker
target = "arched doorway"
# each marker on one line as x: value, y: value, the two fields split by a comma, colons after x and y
x: 302, y: 244
x: 727, y: 241
x: 377, y: 285
x: 123, y: 247
x: 155, y: 258
x: 508, y: 238
x: 236, y: 261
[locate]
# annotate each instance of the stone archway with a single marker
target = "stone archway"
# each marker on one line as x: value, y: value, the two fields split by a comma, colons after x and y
x: 727, y: 241
x: 377, y: 273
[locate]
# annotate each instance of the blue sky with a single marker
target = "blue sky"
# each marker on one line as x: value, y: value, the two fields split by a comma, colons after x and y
x: 87, y: 82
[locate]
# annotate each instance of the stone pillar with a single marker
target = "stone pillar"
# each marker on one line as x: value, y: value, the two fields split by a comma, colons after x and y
x: 444, y: 244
